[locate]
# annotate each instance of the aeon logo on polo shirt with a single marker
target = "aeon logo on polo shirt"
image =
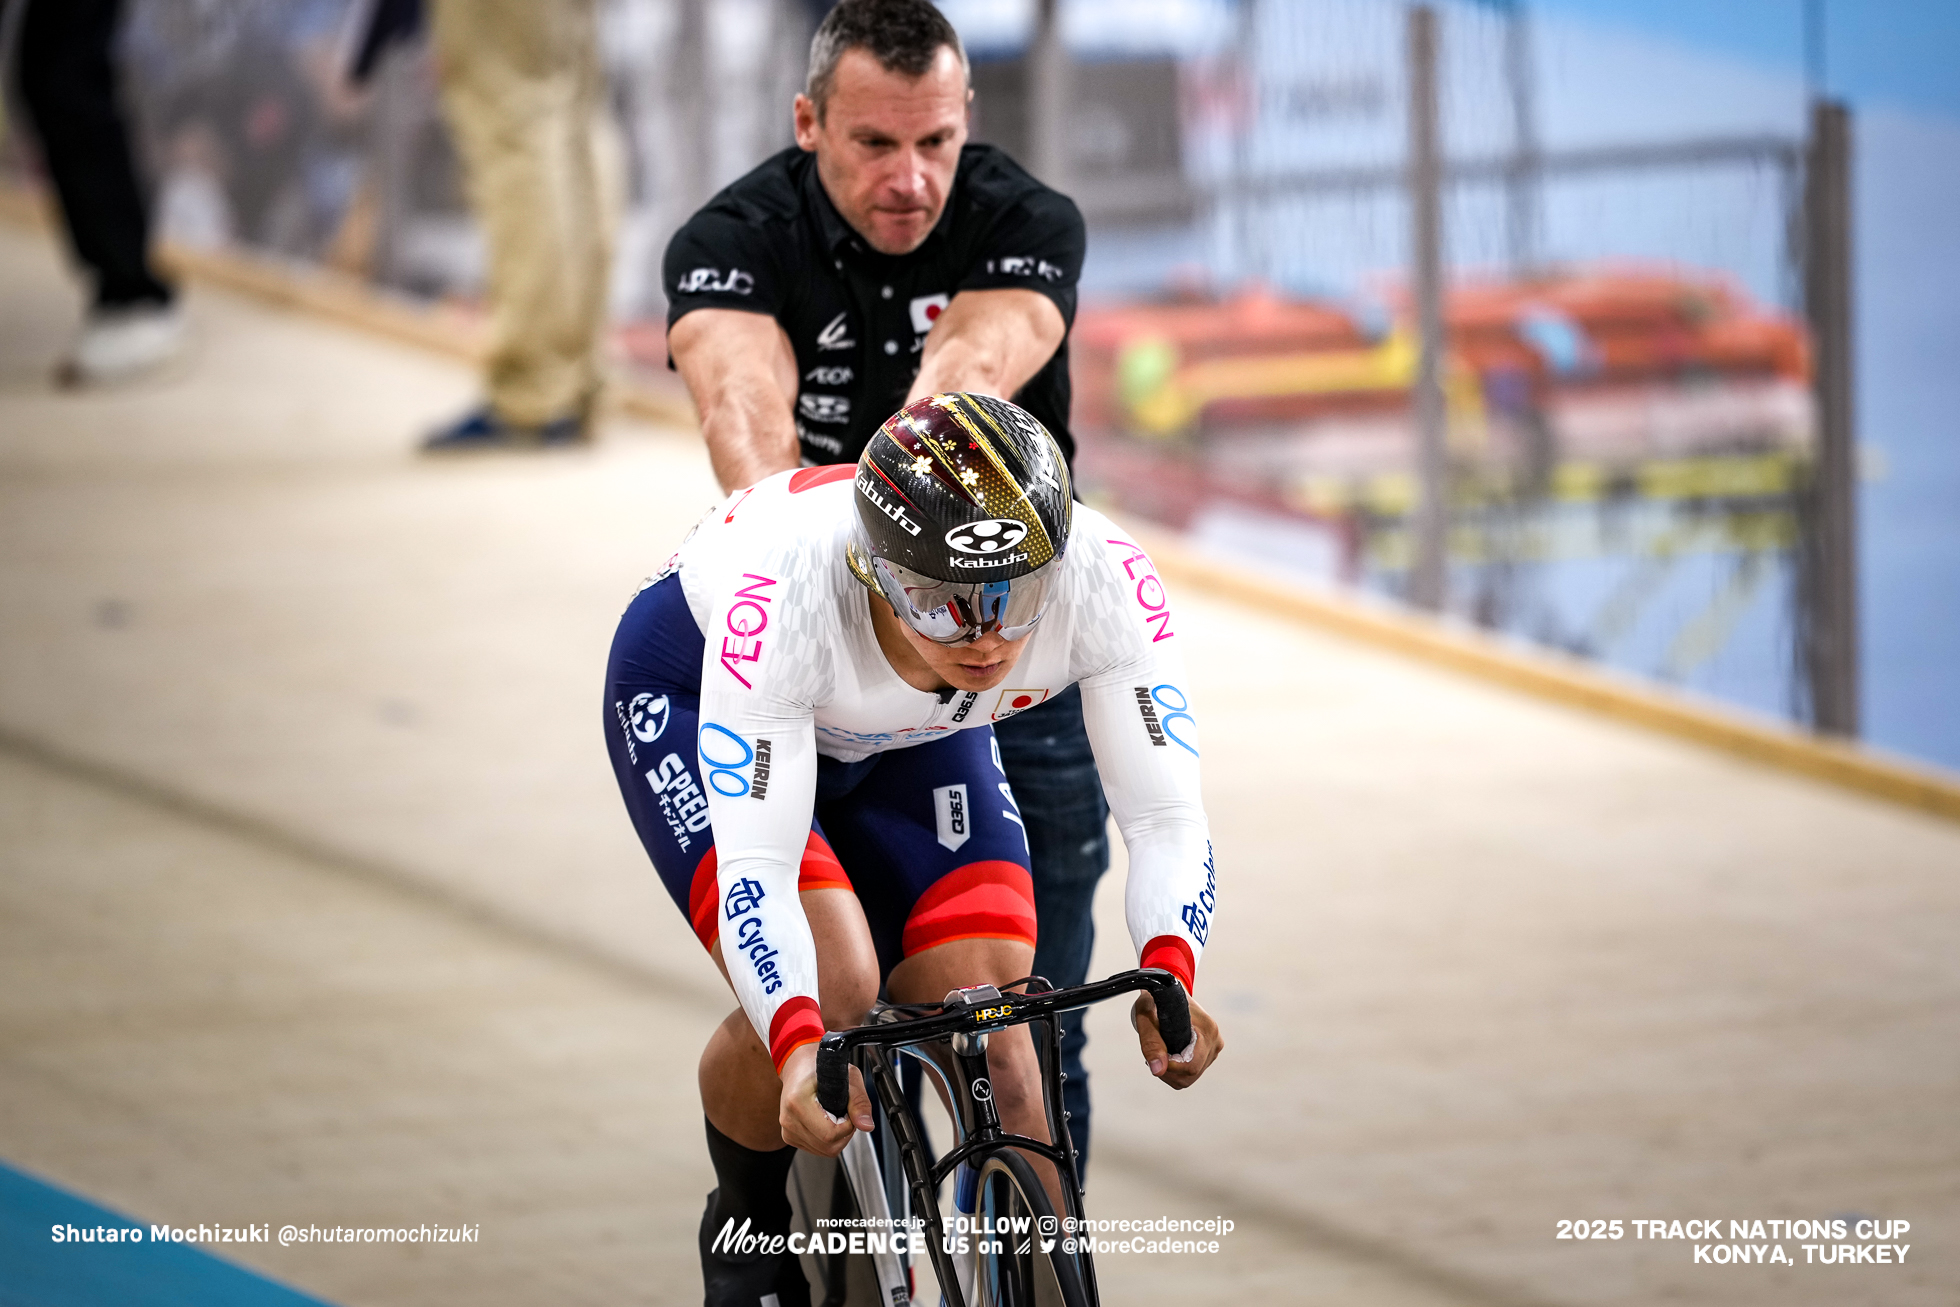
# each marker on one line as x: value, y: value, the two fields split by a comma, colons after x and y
x: 926, y: 310
x: 993, y: 536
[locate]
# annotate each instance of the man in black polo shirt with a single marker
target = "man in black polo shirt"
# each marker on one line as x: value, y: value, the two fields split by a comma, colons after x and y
x: 881, y: 260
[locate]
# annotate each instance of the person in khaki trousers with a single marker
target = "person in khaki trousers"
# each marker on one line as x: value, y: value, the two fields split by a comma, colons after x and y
x: 525, y: 100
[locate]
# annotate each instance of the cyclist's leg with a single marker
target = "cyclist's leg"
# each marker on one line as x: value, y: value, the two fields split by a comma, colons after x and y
x: 1053, y: 772
x: 652, y: 715
x: 936, y: 851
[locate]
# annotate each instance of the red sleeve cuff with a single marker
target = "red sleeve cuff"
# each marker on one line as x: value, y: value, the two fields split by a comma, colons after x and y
x: 1173, y: 955
x: 796, y: 1023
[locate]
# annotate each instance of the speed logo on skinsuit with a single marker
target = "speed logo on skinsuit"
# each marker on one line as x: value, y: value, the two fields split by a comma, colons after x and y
x: 1014, y: 701
x: 996, y: 535
x: 649, y: 716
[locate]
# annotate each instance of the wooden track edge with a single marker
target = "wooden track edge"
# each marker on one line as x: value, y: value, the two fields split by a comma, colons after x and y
x: 1566, y: 680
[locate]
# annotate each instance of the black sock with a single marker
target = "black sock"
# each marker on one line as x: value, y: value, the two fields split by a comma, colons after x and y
x: 750, y: 1185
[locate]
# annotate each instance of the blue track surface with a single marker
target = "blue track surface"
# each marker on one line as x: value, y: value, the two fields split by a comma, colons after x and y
x: 35, y: 1271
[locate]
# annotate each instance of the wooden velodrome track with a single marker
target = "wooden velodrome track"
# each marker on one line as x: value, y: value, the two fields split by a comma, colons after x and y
x: 318, y: 905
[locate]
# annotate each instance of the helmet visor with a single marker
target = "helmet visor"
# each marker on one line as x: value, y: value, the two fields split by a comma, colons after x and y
x: 957, y: 612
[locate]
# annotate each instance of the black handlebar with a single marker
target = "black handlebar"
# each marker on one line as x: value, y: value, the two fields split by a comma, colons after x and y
x: 834, y: 1053
x: 1173, y: 1017
x: 833, y: 1076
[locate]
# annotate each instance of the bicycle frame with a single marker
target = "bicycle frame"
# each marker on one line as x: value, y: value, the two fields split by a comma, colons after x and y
x: 965, y: 1020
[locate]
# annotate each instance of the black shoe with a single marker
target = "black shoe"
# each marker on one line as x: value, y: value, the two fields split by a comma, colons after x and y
x: 755, y: 1280
x: 483, y: 429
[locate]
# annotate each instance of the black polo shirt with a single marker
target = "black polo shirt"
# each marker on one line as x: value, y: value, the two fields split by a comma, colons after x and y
x: 773, y: 243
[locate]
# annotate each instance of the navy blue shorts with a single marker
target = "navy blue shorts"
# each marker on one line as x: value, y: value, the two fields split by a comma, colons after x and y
x: 928, y: 836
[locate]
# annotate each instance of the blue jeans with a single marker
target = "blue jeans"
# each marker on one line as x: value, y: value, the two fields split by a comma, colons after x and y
x: 1046, y: 754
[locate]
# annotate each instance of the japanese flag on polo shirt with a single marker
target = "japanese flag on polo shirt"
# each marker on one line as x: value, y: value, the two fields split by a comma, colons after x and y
x: 925, y: 310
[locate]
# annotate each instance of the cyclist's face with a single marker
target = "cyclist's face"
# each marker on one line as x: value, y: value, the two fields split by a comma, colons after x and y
x: 980, y: 665
x: 887, y: 145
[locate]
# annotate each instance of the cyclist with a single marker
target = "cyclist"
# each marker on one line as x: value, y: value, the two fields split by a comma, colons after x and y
x: 881, y: 259
x: 799, y: 713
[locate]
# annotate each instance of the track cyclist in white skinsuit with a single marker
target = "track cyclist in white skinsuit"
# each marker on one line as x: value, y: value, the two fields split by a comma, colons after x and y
x: 799, y: 711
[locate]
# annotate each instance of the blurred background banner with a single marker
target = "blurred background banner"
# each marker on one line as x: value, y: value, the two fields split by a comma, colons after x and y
x: 1643, y: 448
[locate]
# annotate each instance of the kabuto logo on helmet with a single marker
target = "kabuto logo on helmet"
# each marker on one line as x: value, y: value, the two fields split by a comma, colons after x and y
x: 995, y: 535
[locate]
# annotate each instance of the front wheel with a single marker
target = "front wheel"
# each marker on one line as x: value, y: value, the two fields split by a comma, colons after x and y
x: 1014, y: 1270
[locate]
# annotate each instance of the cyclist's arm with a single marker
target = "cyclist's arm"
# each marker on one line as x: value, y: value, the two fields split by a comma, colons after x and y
x: 1142, y: 724
x: 741, y: 371
x: 989, y: 341
x: 758, y: 757
x: 1153, y: 794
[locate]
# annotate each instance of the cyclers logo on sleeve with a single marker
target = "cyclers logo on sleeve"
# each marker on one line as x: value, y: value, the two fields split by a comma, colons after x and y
x: 1197, y: 916
x: 744, y: 898
x: 746, y: 619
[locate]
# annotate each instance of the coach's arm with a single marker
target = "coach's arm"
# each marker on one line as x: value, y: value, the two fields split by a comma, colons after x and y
x: 989, y: 341
x: 741, y: 371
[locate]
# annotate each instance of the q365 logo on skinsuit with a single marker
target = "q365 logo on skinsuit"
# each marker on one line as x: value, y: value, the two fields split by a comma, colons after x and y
x: 994, y: 536
x: 950, y: 814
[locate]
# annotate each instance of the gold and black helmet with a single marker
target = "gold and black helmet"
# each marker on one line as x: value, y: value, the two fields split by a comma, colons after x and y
x: 963, y: 515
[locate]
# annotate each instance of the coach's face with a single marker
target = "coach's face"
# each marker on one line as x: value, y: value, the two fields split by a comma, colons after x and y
x: 888, y: 145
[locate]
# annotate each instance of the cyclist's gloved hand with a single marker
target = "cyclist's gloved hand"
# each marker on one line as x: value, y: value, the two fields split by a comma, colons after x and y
x: 805, y: 1124
x: 1179, y: 1069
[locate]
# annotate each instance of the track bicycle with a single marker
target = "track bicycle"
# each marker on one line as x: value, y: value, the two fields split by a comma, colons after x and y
x: 1007, y: 1248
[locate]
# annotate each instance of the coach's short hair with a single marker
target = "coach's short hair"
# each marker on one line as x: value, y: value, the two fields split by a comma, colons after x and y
x: 904, y: 36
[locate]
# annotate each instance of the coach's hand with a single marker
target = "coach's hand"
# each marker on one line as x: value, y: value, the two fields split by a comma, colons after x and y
x: 805, y: 1124
x: 1206, y: 1043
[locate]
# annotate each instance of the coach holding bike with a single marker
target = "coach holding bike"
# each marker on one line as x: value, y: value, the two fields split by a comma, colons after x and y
x: 881, y: 260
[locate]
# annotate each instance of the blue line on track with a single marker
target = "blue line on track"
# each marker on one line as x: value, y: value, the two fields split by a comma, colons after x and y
x: 35, y: 1271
